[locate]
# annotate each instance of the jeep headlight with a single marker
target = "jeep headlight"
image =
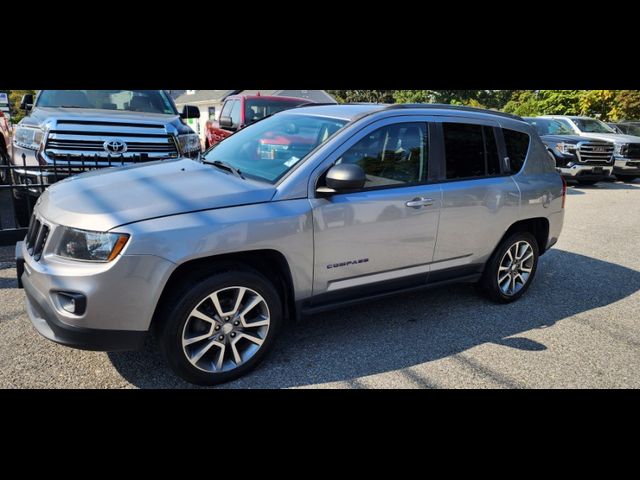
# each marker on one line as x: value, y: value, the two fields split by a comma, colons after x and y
x: 566, y: 147
x: 621, y: 149
x: 189, y: 142
x: 90, y: 246
x: 28, y: 137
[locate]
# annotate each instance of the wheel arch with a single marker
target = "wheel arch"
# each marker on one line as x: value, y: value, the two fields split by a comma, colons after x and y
x: 537, y: 226
x: 270, y: 263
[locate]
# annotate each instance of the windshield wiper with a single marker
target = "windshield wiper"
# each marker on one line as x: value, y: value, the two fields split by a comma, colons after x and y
x: 225, y: 166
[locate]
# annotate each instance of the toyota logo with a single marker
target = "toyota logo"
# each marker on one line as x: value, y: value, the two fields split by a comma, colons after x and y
x: 115, y: 145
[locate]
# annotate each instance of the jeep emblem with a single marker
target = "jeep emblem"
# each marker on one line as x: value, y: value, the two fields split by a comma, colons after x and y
x: 115, y: 145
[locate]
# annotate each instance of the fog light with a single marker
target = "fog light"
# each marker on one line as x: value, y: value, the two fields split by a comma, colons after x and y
x: 75, y: 303
x: 68, y: 303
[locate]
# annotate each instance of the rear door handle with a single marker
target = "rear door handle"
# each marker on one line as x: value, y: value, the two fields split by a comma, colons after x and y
x: 419, y: 202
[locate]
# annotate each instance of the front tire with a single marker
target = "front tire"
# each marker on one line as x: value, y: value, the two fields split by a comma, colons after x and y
x: 626, y: 178
x: 511, y: 269
x: 219, y: 328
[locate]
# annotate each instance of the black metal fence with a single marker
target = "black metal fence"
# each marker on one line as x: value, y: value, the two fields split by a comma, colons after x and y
x: 21, y: 184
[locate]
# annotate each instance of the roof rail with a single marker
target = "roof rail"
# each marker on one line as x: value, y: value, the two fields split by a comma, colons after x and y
x: 447, y: 106
x: 314, y: 104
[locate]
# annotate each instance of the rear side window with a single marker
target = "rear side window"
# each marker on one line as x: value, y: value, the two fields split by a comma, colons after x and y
x: 517, y: 144
x: 470, y: 150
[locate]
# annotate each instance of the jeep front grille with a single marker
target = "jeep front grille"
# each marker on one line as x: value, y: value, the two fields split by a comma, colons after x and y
x: 595, y: 152
x: 36, y: 238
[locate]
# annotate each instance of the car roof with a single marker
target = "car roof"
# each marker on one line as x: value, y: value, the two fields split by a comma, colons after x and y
x: 344, y: 111
x: 572, y: 117
x: 354, y: 111
x: 269, y: 97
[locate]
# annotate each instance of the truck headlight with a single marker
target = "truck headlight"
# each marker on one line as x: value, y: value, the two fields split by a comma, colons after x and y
x: 621, y: 149
x: 90, y: 246
x: 566, y: 147
x: 28, y: 137
x: 189, y: 142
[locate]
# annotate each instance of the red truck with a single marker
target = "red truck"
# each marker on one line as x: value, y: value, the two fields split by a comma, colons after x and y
x: 238, y: 111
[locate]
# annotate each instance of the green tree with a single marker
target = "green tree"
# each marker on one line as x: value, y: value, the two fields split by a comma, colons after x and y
x: 15, y: 97
x: 351, y: 96
x: 626, y: 105
x: 598, y: 103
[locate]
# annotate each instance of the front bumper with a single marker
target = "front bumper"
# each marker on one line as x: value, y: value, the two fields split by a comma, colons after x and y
x: 586, y: 172
x: 627, y: 166
x: 120, y: 298
x: 45, y: 321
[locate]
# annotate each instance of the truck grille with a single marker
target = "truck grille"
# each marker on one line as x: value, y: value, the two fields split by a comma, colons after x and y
x: 595, y: 152
x: 634, y: 150
x: 77, y: 139
x: 36, y: 238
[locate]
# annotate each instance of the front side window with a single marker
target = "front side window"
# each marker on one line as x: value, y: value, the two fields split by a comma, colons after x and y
x: 470, y: 151
x: 517, y: 145
x: 147, y: 101
x: 268, y: 149
x: 392, y: 155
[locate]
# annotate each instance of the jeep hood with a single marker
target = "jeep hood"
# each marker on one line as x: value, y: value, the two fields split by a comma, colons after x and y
x: 104, y: 199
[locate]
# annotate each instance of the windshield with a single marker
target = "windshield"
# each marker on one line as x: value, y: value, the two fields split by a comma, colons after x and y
x: 147, y: 101
x: 550, y: 127
x: 629, y: 129
x: 591, y: 125
x: 270, y: 148
x: 258, y: 108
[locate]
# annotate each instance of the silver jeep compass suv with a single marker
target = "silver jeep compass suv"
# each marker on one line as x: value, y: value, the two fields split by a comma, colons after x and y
x: 310, y: 209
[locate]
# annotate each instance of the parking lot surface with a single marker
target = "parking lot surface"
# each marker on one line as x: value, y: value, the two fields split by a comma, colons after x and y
x: 577, y: 326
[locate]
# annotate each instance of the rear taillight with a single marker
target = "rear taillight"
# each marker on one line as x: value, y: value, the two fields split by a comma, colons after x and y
x: 564, y: 190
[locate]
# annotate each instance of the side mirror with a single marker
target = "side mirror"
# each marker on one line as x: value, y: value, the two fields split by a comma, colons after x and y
x: 343, y: 178
x: 27, y: 102
x: 190, y: 111
x: 226, y: 122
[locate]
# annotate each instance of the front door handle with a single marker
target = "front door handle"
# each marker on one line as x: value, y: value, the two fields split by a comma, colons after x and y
x: 419, y: 202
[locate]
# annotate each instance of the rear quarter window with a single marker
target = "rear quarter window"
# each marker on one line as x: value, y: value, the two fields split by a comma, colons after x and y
x: 517, y: 145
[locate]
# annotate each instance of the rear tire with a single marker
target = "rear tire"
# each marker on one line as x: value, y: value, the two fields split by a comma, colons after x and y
x: 511, y: 269
x: 191, y: 323
x: 626, y: 178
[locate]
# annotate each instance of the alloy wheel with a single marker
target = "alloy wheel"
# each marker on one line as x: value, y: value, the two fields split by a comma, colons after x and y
x: 515, y: 267
x: 226, y: 329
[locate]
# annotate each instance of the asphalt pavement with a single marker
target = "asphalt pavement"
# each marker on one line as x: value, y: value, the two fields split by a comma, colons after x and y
x: 578, y: 326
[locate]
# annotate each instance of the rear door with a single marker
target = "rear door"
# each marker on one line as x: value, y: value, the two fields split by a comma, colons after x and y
x: 480, y: 200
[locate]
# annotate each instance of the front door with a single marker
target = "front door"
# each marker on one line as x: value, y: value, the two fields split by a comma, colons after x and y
x: 384, y: 235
